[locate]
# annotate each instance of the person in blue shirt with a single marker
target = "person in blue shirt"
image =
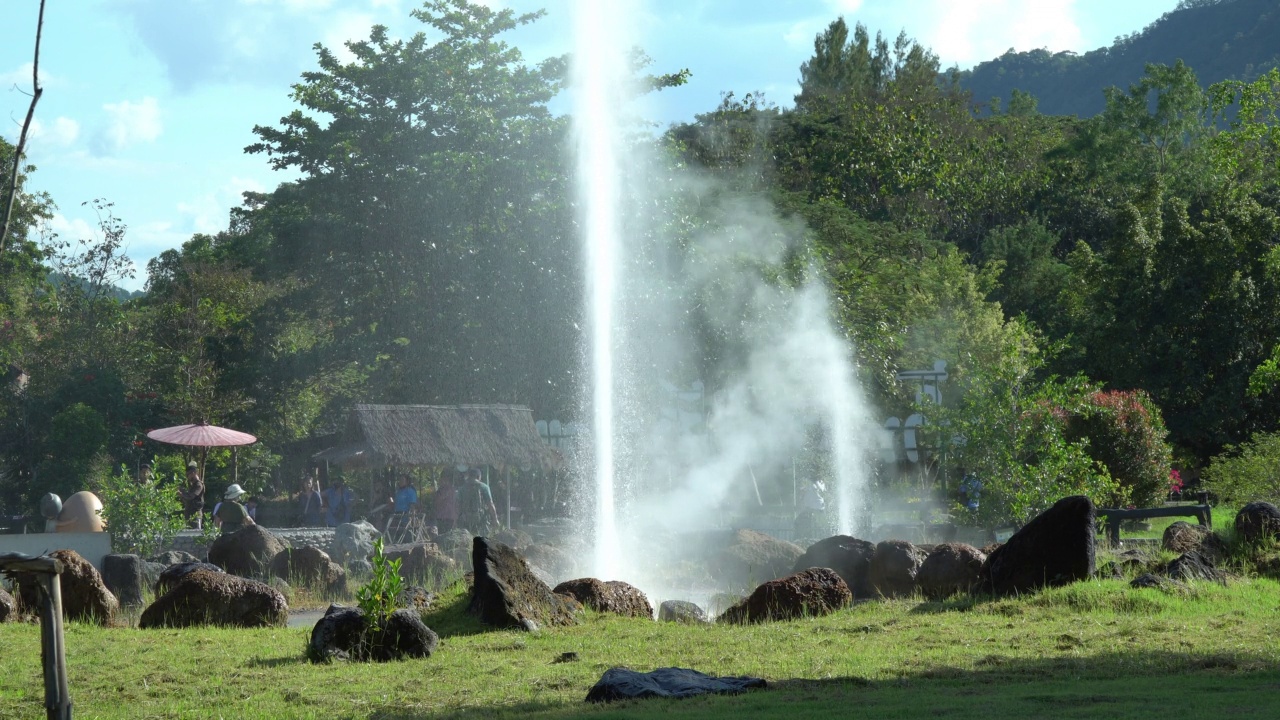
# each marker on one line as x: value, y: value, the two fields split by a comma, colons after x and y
x: 404, y: 503
x: 337, y: 501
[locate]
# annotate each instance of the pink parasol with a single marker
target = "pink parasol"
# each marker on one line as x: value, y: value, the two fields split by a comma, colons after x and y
x: 204, y: 435
x: 201, y: 435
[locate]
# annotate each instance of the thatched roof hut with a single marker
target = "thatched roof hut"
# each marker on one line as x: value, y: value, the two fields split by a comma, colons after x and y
x: 429, y: 435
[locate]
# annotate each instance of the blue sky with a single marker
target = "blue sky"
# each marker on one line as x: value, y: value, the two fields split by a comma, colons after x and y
x: 150, y: 103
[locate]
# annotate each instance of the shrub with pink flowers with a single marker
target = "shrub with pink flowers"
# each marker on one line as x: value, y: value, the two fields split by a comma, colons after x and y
x: 1126, y: 433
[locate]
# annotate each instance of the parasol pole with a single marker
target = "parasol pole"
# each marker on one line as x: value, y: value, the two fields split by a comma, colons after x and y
x: 235, y: 464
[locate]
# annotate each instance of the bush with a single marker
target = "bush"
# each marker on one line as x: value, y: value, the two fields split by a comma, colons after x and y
x: 142, y: 519
x: 1126, y: 433
x: 1246, y: 472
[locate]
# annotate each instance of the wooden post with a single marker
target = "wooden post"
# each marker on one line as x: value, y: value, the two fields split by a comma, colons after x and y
x: 53, y: 654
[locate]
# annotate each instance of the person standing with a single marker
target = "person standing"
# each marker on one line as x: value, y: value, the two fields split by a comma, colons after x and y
x: 192, y: 496
x: 230, y: 515
x: 477, y: 504
x: 309, y: 503
x: 445, y: 508
x: 337, y: 500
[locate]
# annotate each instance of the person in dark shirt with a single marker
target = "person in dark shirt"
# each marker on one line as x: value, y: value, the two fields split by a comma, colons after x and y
x: 230, y: 515
x: 192, y: 496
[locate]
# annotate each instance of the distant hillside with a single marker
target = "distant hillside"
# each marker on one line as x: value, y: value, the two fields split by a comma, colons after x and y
x: 1218, y: 39
x: 119, y: 293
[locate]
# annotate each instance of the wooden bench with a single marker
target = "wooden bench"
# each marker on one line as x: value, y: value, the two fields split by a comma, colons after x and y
x: 1115, y: 516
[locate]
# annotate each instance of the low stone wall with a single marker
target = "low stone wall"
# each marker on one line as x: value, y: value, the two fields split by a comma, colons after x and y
x: 188, y: 540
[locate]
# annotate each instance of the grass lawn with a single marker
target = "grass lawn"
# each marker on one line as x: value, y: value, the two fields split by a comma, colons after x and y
x: 1093, y: 649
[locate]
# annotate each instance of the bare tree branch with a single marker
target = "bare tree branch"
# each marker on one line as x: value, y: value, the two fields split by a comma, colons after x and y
x: 22, y: 138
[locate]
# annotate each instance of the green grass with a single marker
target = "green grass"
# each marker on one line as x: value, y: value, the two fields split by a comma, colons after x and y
x: 1095, y: 648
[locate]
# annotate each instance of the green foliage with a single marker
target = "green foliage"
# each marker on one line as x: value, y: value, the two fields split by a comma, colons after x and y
x: 142, y: 518
x: 1126, y: 434
x: 1246, y: 472
x: 377, y: 597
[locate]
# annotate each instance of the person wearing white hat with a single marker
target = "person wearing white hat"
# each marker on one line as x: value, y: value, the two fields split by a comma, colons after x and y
x: 230, y: 515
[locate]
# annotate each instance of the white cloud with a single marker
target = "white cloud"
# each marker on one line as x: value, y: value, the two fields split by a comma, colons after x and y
x: 132, y: 122
x: 62, y: 133
x: 962, y: 31
x: 345, y: 27
x: 70, y: 229
x: 208, y: 213
x: 843, y: 7
x: 21, y: 77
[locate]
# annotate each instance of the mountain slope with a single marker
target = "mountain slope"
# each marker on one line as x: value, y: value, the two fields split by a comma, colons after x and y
x: 1218, y: 40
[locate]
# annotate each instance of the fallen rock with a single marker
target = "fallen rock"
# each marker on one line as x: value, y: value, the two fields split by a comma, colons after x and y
x: 423, y: 563
x: 894, y: 567
x: 753, y: 557
x: 682, y: 611
x: 1194, y: 566
x: 1153, y: 581
x: 848, y: 556
x: 344, y: 633
x: 247, y: 552
x: 624, y: 684
x: 555, y: 561
x: 170, y: 576
x: 1055, y: 548
x: 173, y: 557
x: 204, y: 597
x: 309, y: 566
x: 415, y: 598
x: 8, y: 606
x: 613, y: 596
x: 353, y: 542
x: 506, y: 594
x: 1257, y: 520
x: 514, y: 538
x: 84, y: 595
x: 1182, y: 536
x: 124, y: 576
x: 950, y: 568
x: 812, y: 592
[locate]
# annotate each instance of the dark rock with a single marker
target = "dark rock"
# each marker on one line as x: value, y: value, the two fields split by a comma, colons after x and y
x: 614, y: 596
x: 848, y: 556
x: 8, y: 606
x: 565, y: 657
x: 753, y: 557
x: 344, y: 633
x: 151, y: 573
x: 682, y: 611
x: 309, y: 566
x: 84, y: 595
x: 353, y: 542
x: 455, y: 539
x: 204, y: 597
x: 1153, y: 582
x: 894, y: 567
x: 173, y: 557
x: 1055, y: 548
x: 1182, y: 537
x: 423, y: 563
x: 1194, y: 566
x: 950, y: 568
x: 990, y: 548
x: 124, y: 577
x: 508, y: 595
x: 415, y: 598
x: 170, y: 576
x: 247, y: 552
x: 812, y: 592
x: 1257, y: 520
x: 624, y: 684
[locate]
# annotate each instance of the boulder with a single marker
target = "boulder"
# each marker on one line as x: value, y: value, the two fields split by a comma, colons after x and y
x: 247, y: 552
x: 1182, y: 537
x: 816, y: 591
x: 344, y: 633
x: 124, y: 576
x: 624, y: 684
x: 682, y: 611
x: 513, y: 537
x: 172, y: 574
x: 415, y: 597
x: 950, y: 568
x: 556, y: 562
x: 423, y: 563
x: 309, y: 566
x: 752, y: 557
x: 353, y: 541
x: 8, y: 606
x: 455, y: 539
x: 613, y: 596
x: 205, y: 597
x: 1194, y: 566
x: 173, y: 557
x: 506, y: 594
x: 1055, y: 548
x: 1257, y: 520
x: 1153, y: 581
x: 84, y: 595
x: 894, y: 567
x: 848, y: 556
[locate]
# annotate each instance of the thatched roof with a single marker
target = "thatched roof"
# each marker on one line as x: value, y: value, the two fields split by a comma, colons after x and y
x: 409, y: 435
